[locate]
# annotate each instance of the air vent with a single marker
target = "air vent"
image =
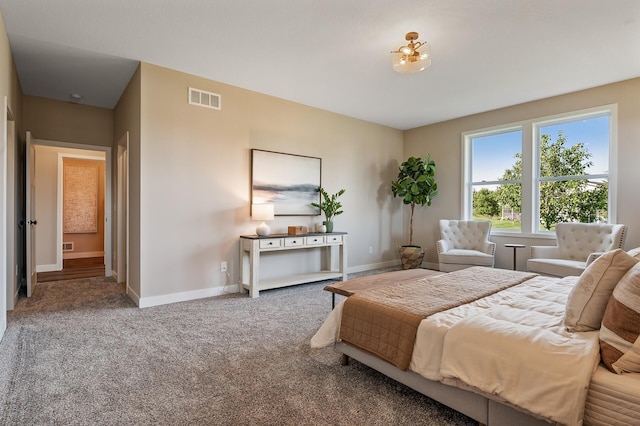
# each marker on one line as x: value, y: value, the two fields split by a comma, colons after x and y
x: 67, y: 246
x: 205, y: 99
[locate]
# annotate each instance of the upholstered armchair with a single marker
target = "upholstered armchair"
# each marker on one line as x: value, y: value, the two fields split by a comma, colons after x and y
x: 465, y: 243
x: 578, y: 244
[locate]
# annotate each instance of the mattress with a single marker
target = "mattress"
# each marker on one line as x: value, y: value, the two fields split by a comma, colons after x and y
x: 613, y: 399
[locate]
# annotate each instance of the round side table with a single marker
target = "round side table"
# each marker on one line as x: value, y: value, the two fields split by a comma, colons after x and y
x: 514, y: 247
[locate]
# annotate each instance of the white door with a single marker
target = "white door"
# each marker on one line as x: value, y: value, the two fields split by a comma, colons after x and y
x: 3, y: 219
x: 31, y: 220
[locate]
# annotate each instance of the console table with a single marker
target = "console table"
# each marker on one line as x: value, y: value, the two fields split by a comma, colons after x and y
x: 252, y: 246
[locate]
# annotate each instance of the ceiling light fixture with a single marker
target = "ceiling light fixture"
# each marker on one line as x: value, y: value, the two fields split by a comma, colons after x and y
x: 407, y: 59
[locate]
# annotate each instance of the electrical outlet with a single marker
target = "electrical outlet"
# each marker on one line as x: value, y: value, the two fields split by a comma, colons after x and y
x: 223, y: 266
x: 370, y: 249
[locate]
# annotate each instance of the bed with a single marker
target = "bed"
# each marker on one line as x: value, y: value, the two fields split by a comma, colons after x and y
x: 526, y: 368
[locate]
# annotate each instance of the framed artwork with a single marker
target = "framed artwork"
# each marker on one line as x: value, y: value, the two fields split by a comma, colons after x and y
x: 289, y: 181
x: 80, y: 199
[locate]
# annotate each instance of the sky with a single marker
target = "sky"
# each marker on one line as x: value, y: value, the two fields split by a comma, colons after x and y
x: 492, y: 155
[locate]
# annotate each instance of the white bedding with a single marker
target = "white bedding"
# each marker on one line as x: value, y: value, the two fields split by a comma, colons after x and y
x: 613, y: 399
x: 513, y: 328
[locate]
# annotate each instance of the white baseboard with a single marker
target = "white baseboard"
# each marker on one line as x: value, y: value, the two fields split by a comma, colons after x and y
x: 387, y: 264
x: 133, y: 296
x: 146, y: 302
x: 431, y: 265
x: 68, y: 255
x: 47, y: 268
x: 370, y: 266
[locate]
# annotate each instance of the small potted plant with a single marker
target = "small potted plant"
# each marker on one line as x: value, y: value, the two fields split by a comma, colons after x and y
x: 416, y: 185
x: 330, y: 206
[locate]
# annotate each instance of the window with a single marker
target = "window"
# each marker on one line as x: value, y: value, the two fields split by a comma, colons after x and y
x: 495, y: 187
x: 572, y: 182
x: 528, y: 176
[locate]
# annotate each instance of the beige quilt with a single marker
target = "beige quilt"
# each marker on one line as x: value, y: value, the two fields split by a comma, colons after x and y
x: 384, y: 321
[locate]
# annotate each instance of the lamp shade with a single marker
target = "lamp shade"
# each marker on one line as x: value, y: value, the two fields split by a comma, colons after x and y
x: 262, y: 211
x: 406, y: 64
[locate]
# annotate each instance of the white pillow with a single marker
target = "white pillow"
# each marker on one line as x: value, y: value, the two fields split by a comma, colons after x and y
x: 588, y: 298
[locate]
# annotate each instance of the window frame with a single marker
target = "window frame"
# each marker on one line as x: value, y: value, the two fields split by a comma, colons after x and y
x: 530, y: 130
x: 468, y: 183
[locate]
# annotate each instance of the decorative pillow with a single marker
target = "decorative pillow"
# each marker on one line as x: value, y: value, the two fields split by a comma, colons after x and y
x: 620, y: 331
x: 634, y: 253
x: 588, y: 298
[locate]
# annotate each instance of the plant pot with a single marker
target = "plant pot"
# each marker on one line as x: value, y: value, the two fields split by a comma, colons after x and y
x: 411, y: 256
x: 329, y: 225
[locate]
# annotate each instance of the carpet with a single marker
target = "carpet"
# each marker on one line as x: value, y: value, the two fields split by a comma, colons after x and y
x: 80, y: 353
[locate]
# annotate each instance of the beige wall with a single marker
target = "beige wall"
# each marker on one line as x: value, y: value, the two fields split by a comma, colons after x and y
x: 9, y: 83
x: 195, y: 183
x: 127, y: 119
x: 67, y: 122
x: 9, y: 240
x: 443, y: 141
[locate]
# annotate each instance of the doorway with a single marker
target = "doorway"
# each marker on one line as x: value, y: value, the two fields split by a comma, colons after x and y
x: 50, y: 236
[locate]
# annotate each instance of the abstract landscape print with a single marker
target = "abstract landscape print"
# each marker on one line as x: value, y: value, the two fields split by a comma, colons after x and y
x: 289, y: 181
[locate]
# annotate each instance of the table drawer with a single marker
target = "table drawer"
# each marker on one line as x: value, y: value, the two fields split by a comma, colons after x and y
x: 334, y: 239
x: 292, y: 242
x: 315, y: 240
x: 271, y: 243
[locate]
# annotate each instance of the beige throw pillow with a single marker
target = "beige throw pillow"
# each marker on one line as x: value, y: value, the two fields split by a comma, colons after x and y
x: 620, y: 332
x: 588, y: 298
x: 634, y: 253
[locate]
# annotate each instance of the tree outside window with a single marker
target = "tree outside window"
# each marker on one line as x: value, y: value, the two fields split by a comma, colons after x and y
x: 571, y: 182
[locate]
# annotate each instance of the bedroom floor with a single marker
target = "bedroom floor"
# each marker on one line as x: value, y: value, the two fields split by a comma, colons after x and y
x: 91, y: 356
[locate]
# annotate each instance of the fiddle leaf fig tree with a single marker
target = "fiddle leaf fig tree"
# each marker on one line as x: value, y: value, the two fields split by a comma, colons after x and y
x: 416, y: 184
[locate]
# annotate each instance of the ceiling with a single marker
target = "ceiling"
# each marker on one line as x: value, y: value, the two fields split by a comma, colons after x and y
x: 331, y: 54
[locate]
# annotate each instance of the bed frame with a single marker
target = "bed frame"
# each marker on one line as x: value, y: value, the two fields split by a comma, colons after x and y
x: 475, y: 405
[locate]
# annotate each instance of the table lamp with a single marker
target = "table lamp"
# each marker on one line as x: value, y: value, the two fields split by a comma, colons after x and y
x: 262, y: 212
